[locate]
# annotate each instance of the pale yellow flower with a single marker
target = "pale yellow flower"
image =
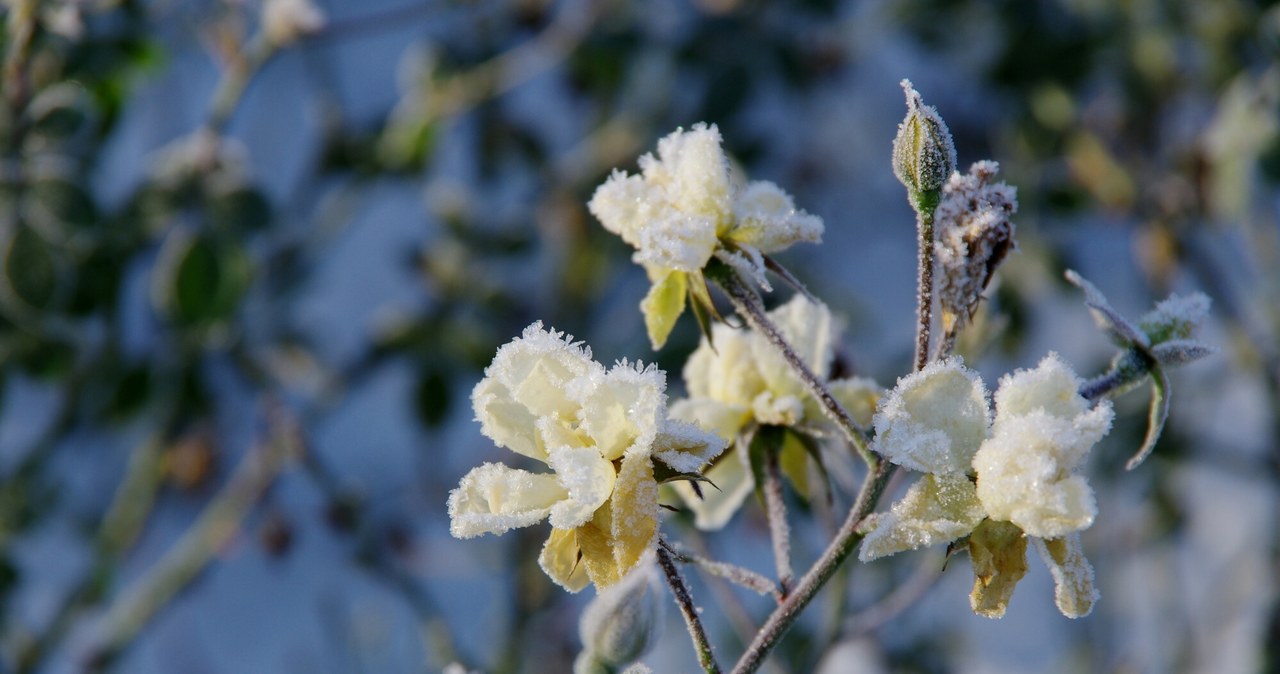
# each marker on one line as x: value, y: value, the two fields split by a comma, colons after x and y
x: 599, y: 431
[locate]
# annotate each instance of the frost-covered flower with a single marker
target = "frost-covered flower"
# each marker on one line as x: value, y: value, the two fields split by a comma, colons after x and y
x: 599, y: 431
x: 997, y: 482
x: 745, y: 382
x: 924, y: 155
x: 683, y: 208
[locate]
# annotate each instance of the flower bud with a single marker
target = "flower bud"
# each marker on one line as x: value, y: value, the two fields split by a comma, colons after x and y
x: 622, y: 622
x: 923, y: 153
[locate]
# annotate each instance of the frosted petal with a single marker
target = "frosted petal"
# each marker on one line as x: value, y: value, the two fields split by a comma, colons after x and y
x: 493, y: 499
x: 936, y: 509
x: 723, y: 419
x: 1052, y: 386
x: 809, y: 329
x: 1073, y: 588
x: 621, y: 410
x: 766, y: 218
x: 731, y: 477
x: 560, y: 560
x: 587, y: 479
x: 624, y: 205
x: 685, y: 447
x: 693, y: 170
x: 677, y: 240
x: 933, y: 420
x: 727, y: 373
x: 858, y: 395
x: 634, y: 511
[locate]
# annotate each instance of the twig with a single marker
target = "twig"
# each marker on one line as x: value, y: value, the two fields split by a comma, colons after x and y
x: 779, y: 530
x: 690, y: 612
x: 730, y: 572
x: 840, y: 548
x: 747, y: 303
x: 924, y: 287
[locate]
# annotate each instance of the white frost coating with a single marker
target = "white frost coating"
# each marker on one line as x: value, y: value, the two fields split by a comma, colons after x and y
x: 1177, y: 316
x: 587, y: 477
x: 936, y: 509
x: 684, y: 202
x: 933, y: 420
x: 1052, y: 386
x: 974, y: 235
x: 1026, y: 471
x: 685, y: 447
x: 624, y: 620
x: 621, y: 411
x: 493, y: 499
x: 730, y: 484
x: 1073, y: 588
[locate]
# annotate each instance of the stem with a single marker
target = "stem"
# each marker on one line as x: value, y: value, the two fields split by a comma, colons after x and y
x: 924, y: 288
x: 779, y: 531
x: 681, y: 591
x: 840, y: 548
x: 235, y: 79
x: 735, y: 574
x: 747, y: 303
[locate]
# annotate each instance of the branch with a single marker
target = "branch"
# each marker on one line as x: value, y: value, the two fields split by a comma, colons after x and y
x: 779, y: 531
x: 689, y: 611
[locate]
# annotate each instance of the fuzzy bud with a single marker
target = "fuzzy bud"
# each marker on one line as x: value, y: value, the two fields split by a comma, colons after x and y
x: 974, y: 236
x: 622, y: 622
x: 923, y: 154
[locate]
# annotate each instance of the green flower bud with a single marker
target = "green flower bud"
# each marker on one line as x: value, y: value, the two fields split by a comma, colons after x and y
x: 621, y: 623
x: 923, y: 153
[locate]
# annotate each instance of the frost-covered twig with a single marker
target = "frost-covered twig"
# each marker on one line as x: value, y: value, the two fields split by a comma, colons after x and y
x: 689, y: 611
x: 730, y: 572
x: 747, y: 303
x: 924, y: 287
x: 778, y: 622
x: 779, y: 530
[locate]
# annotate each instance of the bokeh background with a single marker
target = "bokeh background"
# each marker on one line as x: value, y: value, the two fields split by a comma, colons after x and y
x: 246, y: 286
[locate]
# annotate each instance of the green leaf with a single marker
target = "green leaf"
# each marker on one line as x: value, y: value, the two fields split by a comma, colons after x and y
x: 797, y: 450
x: 242, y: 208
x: 1156, y: 416
x: 663, y: 306
x: 62, y: 203
x: 202, y: 281
x: 30, y: 269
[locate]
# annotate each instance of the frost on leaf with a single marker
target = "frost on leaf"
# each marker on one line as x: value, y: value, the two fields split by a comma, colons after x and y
x: 663, y: 305
x: 1073, y: 588
x: 924, y: 155
x: 685, y: 447
x: 729, y: 482
x: 998, y: 552
x: 936, y: 509
x: 933, y: 420
x: 1175, y: 317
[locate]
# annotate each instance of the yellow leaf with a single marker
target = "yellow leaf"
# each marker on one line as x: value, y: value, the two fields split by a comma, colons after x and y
x: 663, y: 305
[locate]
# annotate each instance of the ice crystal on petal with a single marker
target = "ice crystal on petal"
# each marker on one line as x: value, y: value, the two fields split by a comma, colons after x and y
x: 936, y: 509
x: 1073, y: 588
x: 933, y: 420
x: 493, y: 499
x: 587, y: 477
x: 766, y: 219
x: 622, y: 409
x: 685, y: 447
x: 1052, y: 386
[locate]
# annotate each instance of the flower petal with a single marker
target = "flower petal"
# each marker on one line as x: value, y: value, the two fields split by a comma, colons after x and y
x: 723, y: 419
x: 634, y: 511
x: 685, y: 447
x: 766, y: 218
x: 934, y: 420
x: 731, y: 483
x: 998, y: 551
x: 561, y: 560
x: 1073, y: 589
x: 1052, y: 386
x: 622, y: 410
x: 936, y: 509
x: 588, y: 479
x: 493, y: 499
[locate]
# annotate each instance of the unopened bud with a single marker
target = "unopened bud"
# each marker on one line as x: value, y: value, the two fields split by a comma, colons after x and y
x: 923, y: 153
x: 622, y: 622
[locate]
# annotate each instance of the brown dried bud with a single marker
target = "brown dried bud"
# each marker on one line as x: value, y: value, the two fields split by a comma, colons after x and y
x: 974, y: 236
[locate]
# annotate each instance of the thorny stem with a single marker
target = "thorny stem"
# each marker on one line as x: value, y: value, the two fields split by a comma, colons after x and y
x: 689, y: 611
x: 735, y: 574
x: 779, y: 530
x: 747, y: 303
x: 924, y: 289
x: 840, y: 548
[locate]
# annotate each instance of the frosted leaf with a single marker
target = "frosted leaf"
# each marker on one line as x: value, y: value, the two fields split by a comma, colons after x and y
x: 560, y: 560
x: 933, y: 420
x: 587, y: 477
x: 731, y: 483
x: 620, y: 410
x: 493, y: 499
x: 1026, y: 471
x: 624, y: 620
x: 1116, y: 326
x: 685, y: 447
x: 1052, y: 386
x: 1175, y: 317
x: 998, y: 552
x: 936, y: 509
x: 723, y: 419
x: 766, y: 219
x: 1073, y: 588
x: 1181, y: 351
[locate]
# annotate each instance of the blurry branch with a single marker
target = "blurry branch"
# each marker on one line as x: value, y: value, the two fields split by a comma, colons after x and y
x: 20, y: 28
x: 221, y: 519
x: 904, y: 596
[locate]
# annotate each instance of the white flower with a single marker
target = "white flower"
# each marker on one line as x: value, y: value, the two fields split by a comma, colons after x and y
x: 936, y: 509
x: 1043, y: 430
x: 544, y: 397
x: 934, y: 420
x: 284, y: 21
x: 683, y: 208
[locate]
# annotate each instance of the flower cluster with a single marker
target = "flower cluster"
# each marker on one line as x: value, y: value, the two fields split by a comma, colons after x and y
x: 599, y: 431
x: 744, y: 382
x: 1024, y: 463
x: 685, y: 208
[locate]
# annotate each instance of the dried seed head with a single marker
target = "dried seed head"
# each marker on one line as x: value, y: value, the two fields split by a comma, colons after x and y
x: 974, y: 236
